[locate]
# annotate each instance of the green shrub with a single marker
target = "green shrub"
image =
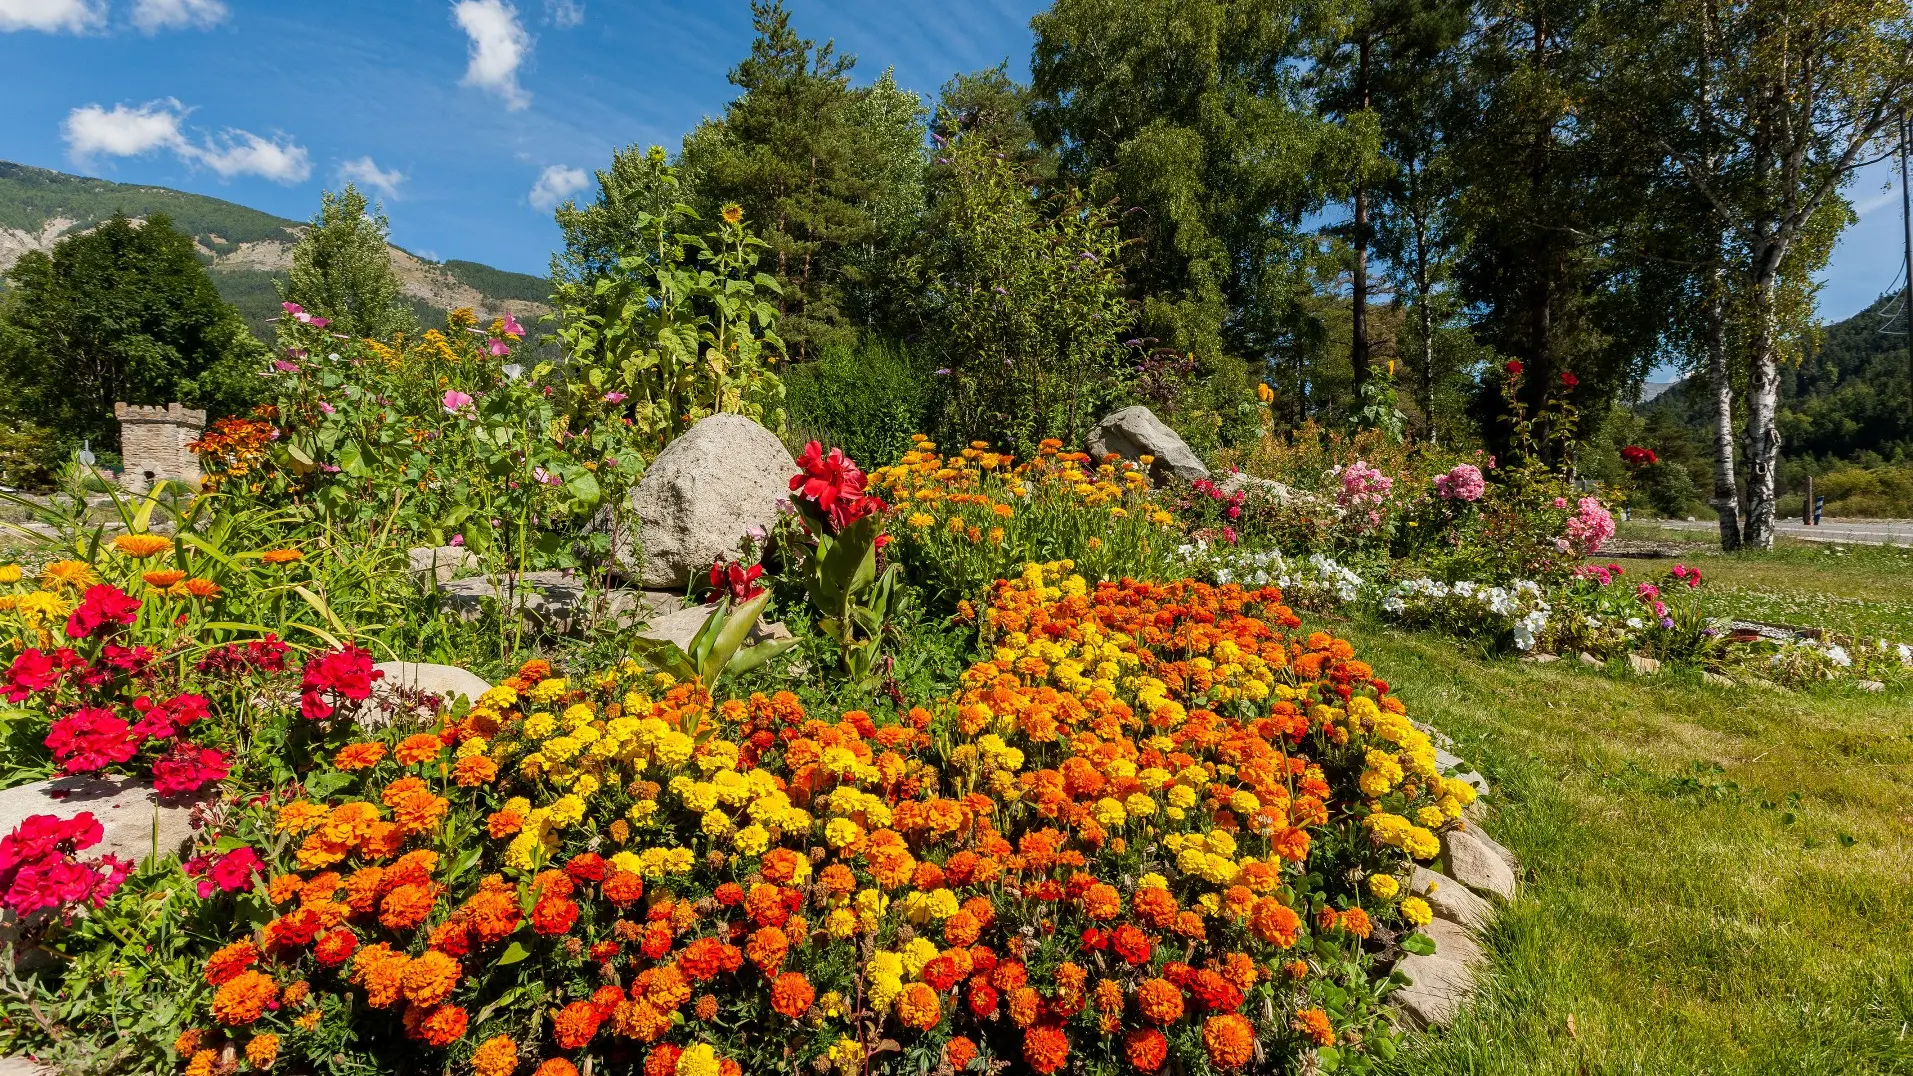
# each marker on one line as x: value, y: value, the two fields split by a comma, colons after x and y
x: 866, y: 399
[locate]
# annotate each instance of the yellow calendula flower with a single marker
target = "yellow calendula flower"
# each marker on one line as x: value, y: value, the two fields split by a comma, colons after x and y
x: 9, y: 573
x: 72, y: 574
x: 141, y: 546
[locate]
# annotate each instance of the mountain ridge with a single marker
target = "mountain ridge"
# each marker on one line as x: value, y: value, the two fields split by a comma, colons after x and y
x: 246, y: 251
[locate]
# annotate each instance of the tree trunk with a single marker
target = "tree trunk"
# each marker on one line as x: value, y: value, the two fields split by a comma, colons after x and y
x: 1763, y: 400
x: 1358, y: 353
x: 1720, y: 383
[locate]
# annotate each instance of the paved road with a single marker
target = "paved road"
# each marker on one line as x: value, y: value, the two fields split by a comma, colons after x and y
x: 1849, y: 531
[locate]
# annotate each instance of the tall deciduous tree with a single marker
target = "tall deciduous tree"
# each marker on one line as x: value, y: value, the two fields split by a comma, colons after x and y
x: 342, y: 268
x: 1792, y: 97
x: 640, y: 185
x: 121, y: 313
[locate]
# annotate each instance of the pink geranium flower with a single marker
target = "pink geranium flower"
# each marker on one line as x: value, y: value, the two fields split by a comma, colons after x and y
x: 455, y: 402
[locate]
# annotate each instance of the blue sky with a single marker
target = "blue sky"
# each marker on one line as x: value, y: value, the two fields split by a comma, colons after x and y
x: 473, y: 117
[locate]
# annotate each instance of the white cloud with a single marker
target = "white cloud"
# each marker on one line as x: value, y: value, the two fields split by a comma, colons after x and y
x: 555, y: 184
x: 52, y: 16
x: 152, y: 16
x: 366, y: 173
x: 91, y: 132
x: 244, y: 153
x: 498, y: 45
x: 125, y: 132
x: 565, y: 14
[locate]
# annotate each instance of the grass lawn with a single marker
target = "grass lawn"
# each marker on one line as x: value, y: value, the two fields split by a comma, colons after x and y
x: 1856, y: 589
x: 1716, y: 881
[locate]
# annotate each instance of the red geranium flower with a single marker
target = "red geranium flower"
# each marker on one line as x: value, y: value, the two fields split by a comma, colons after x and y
x: 347, y: 673
x: 31, y: 671
x: 187, y: 768
x: 1513, y: 367
x: 104, y: 604
x: 91, y: 739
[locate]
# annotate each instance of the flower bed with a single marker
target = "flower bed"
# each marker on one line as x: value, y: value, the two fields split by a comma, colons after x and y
x: 1157, y: 827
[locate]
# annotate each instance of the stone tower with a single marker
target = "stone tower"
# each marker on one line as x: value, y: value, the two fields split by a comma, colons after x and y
x: 153, y: 444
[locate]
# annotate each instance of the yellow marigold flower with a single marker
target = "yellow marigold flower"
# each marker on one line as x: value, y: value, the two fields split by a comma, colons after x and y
x: 141, y: 546
x: 1416, y: 911
x: 1383, y: 885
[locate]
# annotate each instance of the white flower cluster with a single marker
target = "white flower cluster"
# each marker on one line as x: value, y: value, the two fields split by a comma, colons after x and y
x: 1318, y: 579
x: 1468, y: 607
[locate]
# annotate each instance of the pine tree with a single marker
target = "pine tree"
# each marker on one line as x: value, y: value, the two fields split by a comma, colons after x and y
x: 342, y: 269
x: 821, y: 170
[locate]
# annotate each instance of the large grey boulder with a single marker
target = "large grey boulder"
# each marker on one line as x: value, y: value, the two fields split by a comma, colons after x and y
x: 439, y: 563
x: 698, y: 499
x: 136, y: 823
x: 1135, y: 432
x: 551, y: 602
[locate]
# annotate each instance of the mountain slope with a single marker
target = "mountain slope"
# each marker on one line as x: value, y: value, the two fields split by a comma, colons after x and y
x: 247, y: 252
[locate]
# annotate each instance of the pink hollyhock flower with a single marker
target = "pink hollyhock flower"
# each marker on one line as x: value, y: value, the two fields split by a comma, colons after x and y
x: 498, y: 348
x: 454, y: 402
x: 292, y: 308
x: 512, y: 328
x: 319, y: 323
x: 614, y: 397
x: 285, y: 367
x: 91, y: 738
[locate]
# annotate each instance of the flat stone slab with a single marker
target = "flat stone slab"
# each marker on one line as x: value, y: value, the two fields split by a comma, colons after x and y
x: 1437, y: 988
x: 134, y: 820
x: 18, y: 1065
x: 448, y: 682
x: 1452, y: 901
x: 1477, y: 862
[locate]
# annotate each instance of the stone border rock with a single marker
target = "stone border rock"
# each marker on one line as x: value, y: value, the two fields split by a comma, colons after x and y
x: 1476, y: 876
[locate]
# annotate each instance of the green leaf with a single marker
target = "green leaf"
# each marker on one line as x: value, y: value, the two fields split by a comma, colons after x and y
x: 323, y: 783
x: 513, y: 954
x: 1419, y: 944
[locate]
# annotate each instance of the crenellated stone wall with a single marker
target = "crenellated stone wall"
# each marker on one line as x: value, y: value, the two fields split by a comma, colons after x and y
x: 153, y: 443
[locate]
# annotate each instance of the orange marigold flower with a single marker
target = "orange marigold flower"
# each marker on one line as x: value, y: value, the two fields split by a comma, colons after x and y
x: 623, y: 887
x: 1313, y: 1025
x: 228, y: 962
x: 575, y: 1025
x: 1274, y: 922
x: 918, y: 1006
x: 359, y: 756
x: 439, y: 1025
x: 1046, y: 1048
x: 474, y: 770
x: 335, y: 947
x: 1230, y: 1039
x: 502, y: 824
x: 792, y: 994
x: 243, y: 998
x: 202, y: 1063
x: 1024, y: 1006
x: 430, y: 978
x: 1146, y: 1048
x: 406, y: 907
x: 496, y: 1056
x: 1160, y: 1000
x: 281, y: 556
x: 413, y: 750
x: 557, y: 1066
x: 1101, y: 901
x: 187, y: 1044
x: 263, y: 1050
